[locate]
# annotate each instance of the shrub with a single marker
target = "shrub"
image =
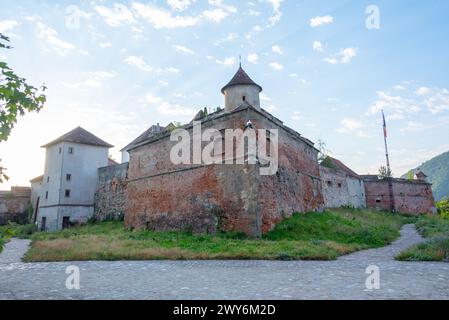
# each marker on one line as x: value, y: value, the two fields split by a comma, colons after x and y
x: 443, y: 208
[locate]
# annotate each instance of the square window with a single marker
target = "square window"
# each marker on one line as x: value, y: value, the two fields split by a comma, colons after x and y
x: 68, y: 177
x: 71, y: 150
x: 67, y: 193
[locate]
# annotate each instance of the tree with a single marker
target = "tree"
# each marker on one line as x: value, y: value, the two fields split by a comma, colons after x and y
x: 323, y: 151
x: 16, y: 98
x: 443, y: 208
x: 385, y: 173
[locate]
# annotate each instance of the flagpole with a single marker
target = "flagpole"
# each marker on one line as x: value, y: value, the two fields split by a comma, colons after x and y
x: 390, y: 179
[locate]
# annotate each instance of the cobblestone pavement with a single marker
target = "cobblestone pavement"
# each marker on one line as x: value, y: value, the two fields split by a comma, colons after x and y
x: 341, y: 279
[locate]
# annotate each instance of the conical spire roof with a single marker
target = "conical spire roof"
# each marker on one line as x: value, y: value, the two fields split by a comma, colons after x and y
x: 240, y: 78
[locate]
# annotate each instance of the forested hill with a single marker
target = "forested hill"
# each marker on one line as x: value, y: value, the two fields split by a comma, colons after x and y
x: 438, y: 171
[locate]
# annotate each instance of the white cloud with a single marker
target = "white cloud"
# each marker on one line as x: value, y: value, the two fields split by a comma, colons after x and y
x: 229, y: 61
x: 6, y: 25
x: 93, y: 80
x: 253, y: 13
x: 105, y: 45
x: 151, y: 99
x: 331, y: 60
x: 406, y: 105
x: 352, y: 126
x: 116, y: 16
x: 180, y: 5
x: 422, y: 91
x: 51, y: 38
x: 321, y: 20
x: 166, y: 108
x: 276, y: 66
x: 264, y: 97
x: 230, y: 37
x: 160, y: 18
x: 317, y: 46
x: 296, y: 116
x: 277, y: 49
x: 220, y: 4
x: 183, y: 49
x: 399, y: 87
x: 253, y: 58
x: 139, y: 63
x: 343, y: 56
x: 277, y: 14
x: 215, y: 15
x: 349, y: 125
x: 347, y: 54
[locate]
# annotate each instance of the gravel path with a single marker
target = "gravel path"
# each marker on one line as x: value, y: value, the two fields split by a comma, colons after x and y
x: 341, y: 279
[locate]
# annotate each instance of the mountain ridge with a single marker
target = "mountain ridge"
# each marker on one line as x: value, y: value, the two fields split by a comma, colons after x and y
x: 437, y: 170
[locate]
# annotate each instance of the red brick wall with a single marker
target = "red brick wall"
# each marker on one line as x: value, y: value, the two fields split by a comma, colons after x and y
x: 413, y: 197
x: 163, y: 196
x: 14, y: 205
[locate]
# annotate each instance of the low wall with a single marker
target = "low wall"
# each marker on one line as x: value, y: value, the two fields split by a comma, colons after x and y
x: 14, y: 205
x: 340, y: 190
x: 410, y: 196
x: 111, y: 198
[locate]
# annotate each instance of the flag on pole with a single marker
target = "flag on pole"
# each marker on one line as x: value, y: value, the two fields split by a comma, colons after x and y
x: 385, y: 124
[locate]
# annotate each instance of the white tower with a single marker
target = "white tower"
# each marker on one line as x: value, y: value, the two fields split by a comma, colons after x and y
x: 70, y: 179
x: 241, y: 89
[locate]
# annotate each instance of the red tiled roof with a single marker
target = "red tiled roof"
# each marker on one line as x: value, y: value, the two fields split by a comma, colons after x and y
x: 340, y: 166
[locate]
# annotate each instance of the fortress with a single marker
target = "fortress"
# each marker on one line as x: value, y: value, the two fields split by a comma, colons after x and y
x: 149, y: 191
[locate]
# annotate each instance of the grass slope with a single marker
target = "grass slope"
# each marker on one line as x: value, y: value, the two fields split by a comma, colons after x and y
x: 317, y: 236
x: 436, y: 248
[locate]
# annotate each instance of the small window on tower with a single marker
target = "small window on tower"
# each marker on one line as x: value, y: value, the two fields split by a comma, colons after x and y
x: 68, y: 177
x: 46, y: 195
x: 71, y: 150
x: 60, y: 150
x: 67, y: 193
x: 48, y: 179
x: 244, y: 98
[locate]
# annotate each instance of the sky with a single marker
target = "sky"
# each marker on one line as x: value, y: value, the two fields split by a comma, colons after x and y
x: 327, y: 69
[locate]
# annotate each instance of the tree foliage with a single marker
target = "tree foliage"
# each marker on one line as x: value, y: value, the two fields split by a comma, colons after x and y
x: 384, y: 172
x: 323, y: 151
x: 17, y: 98
x: 443, y: 208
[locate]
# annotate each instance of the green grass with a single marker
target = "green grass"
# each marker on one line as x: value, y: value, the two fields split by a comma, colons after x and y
x: 311, y: 236
x: 436, y: 248
x: 15, y: 230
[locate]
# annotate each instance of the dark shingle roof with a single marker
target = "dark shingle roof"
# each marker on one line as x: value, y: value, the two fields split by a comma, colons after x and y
x: 81, y: 136
x: 241, y: 77
x: 153, y: 130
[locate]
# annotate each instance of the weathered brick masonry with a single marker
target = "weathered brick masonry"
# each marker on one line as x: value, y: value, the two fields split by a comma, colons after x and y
x: 207, y: 198
x: 15, y: 205
x: 410, y: 196
x: 111, y: 197
x: 157, y: 194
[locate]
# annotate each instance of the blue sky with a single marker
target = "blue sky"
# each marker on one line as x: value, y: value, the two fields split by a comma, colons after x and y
x: 116, y: 68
